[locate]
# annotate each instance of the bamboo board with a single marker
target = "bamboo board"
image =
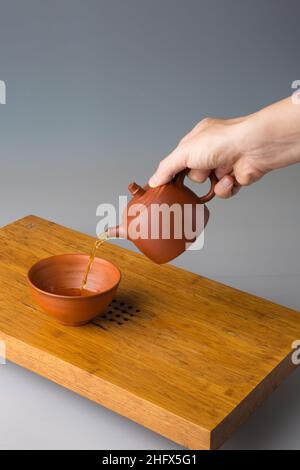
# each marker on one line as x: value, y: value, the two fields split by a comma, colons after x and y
x: 183, y: 355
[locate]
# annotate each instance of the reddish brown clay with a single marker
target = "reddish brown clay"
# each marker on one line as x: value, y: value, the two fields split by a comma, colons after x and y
x: 162, y: 249
x: 63, y: 273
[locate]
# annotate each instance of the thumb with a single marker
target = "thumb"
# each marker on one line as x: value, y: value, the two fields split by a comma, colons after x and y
x: 170, y: 166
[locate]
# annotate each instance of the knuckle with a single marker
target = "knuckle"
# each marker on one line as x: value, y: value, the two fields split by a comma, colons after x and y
x: 248, y: 176
x: 244, y: 179
x: 206, y: 121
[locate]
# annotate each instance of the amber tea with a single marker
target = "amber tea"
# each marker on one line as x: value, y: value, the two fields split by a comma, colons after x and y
x: 73, y: 292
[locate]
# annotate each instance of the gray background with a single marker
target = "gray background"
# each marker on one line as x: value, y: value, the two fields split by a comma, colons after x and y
x: 97, y: 93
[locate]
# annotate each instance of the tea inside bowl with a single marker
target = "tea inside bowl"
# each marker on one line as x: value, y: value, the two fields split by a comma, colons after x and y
x: 73, y: 292
x: 56, y: 285
x: 63, y: 274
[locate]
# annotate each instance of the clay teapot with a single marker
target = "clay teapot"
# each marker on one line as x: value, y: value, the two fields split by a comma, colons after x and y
x: 157, y: 241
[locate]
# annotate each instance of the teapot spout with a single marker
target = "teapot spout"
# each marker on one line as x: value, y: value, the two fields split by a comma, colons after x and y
x: 117, y: 232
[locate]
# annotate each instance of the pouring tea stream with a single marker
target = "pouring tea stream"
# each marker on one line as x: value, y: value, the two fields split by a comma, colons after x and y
x: 159, y: 249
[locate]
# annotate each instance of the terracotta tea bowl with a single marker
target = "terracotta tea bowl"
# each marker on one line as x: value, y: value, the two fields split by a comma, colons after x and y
x: 51, y: 278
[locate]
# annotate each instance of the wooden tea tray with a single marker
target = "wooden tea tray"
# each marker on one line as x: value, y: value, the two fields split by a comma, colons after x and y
x: 182, y: 355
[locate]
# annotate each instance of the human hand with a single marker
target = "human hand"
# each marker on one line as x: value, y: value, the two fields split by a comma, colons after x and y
x: 240, y: 150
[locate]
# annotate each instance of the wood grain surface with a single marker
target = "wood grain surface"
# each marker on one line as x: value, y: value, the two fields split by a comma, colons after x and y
x: 180, y: 354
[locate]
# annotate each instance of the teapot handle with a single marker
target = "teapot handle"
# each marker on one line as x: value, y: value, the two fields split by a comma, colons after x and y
x: 179, y: 178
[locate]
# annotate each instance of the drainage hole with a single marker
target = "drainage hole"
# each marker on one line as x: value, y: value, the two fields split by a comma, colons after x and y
x: 111, y: 319
x: 118, y: 315
x: 130, y: 307
x: 137, y: 311
x: 119, y: 323
x: 125, y: 319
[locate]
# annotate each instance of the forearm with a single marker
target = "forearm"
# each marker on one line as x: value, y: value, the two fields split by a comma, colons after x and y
x: 271, y: 136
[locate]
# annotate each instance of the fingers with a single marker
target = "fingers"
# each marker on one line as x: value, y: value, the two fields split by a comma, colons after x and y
x: 223, y: 170
x: 170, y: 166
x: 208, y: 146
x: 246, y: 173
x: 236, y: 188
x: 178, y: 160
x: 227, y: 187
x: 198, y: 176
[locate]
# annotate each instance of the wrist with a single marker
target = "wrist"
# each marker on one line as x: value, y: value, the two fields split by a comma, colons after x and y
x: 271, y: 136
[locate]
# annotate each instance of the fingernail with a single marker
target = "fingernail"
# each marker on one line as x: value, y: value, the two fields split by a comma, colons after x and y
x: 153, y: 181
x: 226, y: 182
